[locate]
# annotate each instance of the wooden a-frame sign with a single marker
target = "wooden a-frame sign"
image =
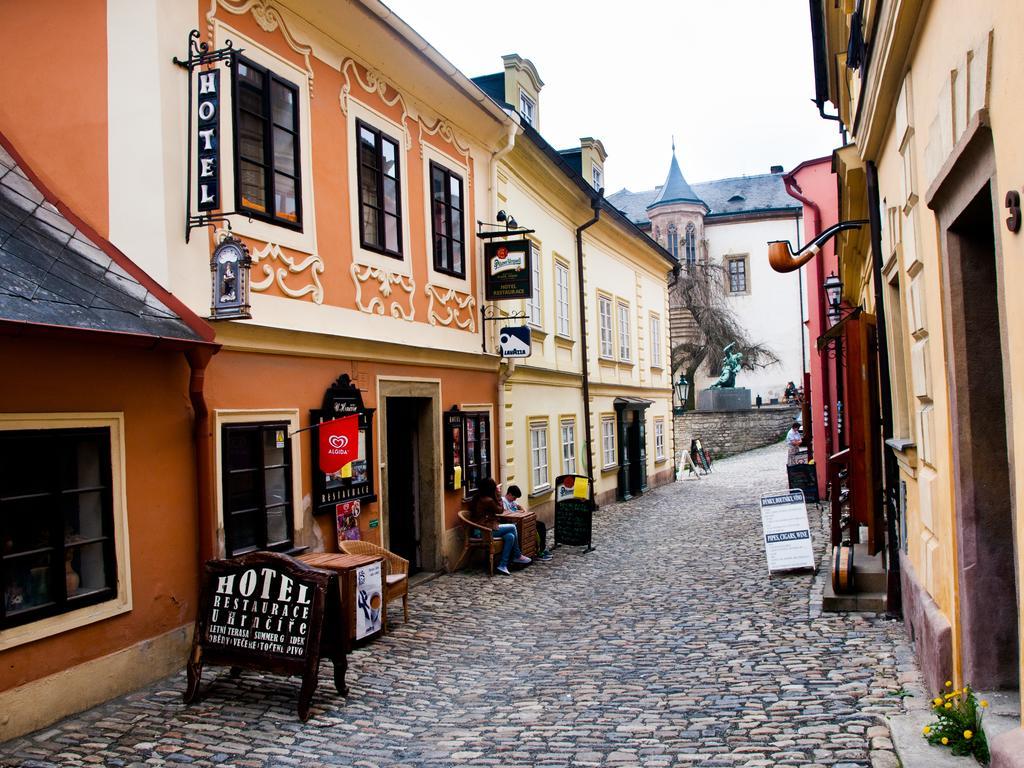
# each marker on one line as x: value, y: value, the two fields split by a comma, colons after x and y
x: 265, y: 611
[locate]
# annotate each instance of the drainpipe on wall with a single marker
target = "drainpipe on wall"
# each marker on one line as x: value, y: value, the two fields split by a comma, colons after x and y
x: 595, y: 204
x: 503, y: 376
x: 819, y: 267
x: 894, y: 597
x: 198, y: 359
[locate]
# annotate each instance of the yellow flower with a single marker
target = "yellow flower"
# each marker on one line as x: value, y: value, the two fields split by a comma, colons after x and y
x: 949, y: 705
x: 926, y: 730
x: 949, y: 683
x: 968, y: 734
x: 936, y: 701
x: 945, y: 740
x: 984, y: 703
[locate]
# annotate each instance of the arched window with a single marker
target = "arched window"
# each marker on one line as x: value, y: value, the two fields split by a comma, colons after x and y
x: 673, y: 241
x: 691, y: 245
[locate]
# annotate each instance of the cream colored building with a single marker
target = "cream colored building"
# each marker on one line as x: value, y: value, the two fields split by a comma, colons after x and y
x: 727, y: 222
x: 930, y: 101
x: 625, y: 279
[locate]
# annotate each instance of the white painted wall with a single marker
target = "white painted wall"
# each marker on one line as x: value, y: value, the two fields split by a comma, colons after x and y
x: 771, y: 310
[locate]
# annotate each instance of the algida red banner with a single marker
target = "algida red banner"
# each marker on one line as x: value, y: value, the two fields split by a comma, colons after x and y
x: 339, y: 443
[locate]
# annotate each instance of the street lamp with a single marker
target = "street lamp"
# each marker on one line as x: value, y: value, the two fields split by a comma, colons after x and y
x: 682, y: 388
x: 833, y: 287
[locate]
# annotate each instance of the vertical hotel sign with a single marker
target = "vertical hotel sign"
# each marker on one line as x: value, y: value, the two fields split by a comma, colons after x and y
x: 208, y: 143
x: 204, y: 104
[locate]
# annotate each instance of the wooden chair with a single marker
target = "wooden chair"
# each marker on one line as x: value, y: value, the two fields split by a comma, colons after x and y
x: 396, y: 577
x: 485, y: 541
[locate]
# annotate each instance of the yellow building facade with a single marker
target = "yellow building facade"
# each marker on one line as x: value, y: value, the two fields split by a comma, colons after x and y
x: 926, y: 91
x: 622, y: 331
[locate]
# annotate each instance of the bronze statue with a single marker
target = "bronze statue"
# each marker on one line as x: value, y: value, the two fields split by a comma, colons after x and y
x: 730, y: 367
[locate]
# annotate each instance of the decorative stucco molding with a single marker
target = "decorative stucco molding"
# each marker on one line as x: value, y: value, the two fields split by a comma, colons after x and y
x: 376, y: 82
x: 363, y: 273
x: 271, y: 252
x: 269, y: 17
x: 455, y: 302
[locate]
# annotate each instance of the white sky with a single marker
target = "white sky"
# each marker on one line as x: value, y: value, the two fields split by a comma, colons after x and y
x: 731, y: 79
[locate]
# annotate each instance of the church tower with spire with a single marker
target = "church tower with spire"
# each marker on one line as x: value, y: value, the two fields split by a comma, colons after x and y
x: 677, y: 217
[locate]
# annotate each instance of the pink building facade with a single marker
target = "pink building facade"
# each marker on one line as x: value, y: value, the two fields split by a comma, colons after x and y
x: 813, y: 183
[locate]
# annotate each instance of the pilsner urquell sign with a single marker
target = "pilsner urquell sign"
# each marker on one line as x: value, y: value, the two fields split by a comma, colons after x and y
x: 508, y: 274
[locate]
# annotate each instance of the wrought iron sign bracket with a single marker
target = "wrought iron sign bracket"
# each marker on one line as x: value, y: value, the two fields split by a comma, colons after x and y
x: 504, y: 231
x: 200, y: 55
x: 487, y: 315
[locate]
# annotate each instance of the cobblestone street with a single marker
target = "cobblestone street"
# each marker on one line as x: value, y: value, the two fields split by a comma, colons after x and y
x: 666, y: 646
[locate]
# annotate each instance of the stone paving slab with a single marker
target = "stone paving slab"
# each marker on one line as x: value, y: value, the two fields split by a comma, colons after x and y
x: 666, y: 646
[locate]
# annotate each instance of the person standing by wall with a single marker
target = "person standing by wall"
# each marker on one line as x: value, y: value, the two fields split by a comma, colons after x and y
x: 793, y: 440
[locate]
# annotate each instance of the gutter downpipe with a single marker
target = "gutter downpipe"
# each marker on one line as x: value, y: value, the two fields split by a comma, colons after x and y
x: 595, y: 205
x: 819, y: 265
x: 198, y: 360
x: 894, y: 597
x: 504, y: 371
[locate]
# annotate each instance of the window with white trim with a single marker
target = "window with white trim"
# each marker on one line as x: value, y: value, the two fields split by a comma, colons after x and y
x: 533, y: 304
x: 625, y: 351
x: 604, y: 315
x: 608, y: 441
x: 655, y: 341
x: 257, y: 482
x: 659, y: 439
x: 446, y: 220
x: 596, y: 176
x: 568, y: 440
x: 380, y: 190
x: 266, y: 125
x: 561, y: 299
x: 539, y: 455
x: 59, y: 508
x: 527, y: 107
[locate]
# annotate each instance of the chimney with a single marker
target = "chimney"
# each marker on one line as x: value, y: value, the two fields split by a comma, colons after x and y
x: 776, y: 169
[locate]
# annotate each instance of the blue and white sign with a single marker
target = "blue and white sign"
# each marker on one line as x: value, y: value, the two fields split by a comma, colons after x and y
x: 514, y: 341
x: 787, y: 536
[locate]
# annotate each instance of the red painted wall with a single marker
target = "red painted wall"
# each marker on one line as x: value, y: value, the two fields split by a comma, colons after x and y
x: 815, y: 181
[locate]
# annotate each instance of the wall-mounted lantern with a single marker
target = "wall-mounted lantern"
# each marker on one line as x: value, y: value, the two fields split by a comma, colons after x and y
x: 682, y: 387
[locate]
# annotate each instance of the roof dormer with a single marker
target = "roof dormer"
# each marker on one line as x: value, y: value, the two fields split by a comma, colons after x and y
x: 522, y: 88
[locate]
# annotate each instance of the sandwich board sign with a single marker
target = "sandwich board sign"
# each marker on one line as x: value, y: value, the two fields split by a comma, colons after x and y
x: 514, y: 341
x: 787, y: 536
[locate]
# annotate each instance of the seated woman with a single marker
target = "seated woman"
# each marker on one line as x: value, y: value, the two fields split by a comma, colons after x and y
x: 484, y: 509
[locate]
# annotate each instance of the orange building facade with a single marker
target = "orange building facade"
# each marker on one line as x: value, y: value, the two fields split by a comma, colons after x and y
x: 357, y: 162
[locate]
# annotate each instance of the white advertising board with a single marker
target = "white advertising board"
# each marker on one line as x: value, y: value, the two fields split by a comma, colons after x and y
x: 369, y: 600
x: 787, y: 536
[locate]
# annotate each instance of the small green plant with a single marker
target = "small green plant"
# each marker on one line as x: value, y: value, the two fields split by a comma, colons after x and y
x: 959, y: 723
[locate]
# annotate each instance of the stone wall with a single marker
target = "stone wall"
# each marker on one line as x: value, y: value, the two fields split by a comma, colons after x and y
x: 724, y: 433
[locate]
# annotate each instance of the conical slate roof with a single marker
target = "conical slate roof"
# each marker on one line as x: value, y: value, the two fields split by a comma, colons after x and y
x: 675, y: 189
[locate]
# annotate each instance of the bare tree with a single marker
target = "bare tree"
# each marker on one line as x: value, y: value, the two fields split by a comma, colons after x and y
x: 700, y: 291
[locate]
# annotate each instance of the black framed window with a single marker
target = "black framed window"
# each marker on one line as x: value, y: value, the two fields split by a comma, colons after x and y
x: 477, y: 432
x: 268, y: 183
x: 447, y: 206
x: 56, y: 522
x: 380, y: 191
x: 257, y: 481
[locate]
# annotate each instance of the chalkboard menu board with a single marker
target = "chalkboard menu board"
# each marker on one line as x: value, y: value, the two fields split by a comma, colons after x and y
x: 804, y: 477
x: 265, y: 611
x: 700, y: 455
x: 574, y: 511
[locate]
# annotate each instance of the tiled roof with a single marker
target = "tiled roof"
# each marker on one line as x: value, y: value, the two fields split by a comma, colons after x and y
x: 675, y: 189
x: 725, y: 197
x: 53, y: 274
